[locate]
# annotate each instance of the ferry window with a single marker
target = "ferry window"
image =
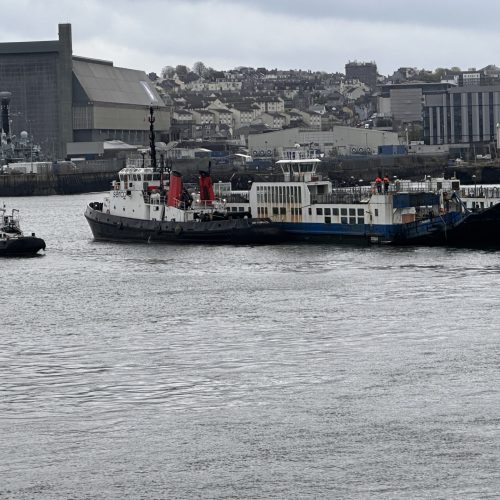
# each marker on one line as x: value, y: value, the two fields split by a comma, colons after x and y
x: 376, y: 212
x: 352, y: 211
x: 299, y: 211
x: 352, y: 220
x: 265, y: 210
x: 275, y: 211
x: 319, y: 211
x: 241, y: 209
x: 328, y: 220
x: 361, y: 220
x: 327, y: 211
x: 361, y: 212
x: 335, y: 211
x: 309, y: 211
x: 258, y: 210
x: 343, y: 211
x: 282, y: 211
x: 343, y: 220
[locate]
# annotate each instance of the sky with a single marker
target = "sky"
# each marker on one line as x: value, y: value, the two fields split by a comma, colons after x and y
x: 318, y: 35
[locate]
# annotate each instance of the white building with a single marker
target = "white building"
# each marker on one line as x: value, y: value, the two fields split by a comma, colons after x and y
x: 341, y: 140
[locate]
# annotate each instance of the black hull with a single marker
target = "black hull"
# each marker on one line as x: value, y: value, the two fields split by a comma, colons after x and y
x: 479, y: 230
x: 225, y: 231
x: 21, y: 246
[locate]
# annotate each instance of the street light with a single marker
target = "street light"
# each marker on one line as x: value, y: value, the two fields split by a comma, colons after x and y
x: 475, y: 184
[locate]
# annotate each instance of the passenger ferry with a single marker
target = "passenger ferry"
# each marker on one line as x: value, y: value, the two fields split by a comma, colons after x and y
x: 309, y: 208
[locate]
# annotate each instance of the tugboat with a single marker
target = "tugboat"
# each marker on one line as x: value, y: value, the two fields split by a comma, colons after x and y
x: 12, y: 240
x: 147, y: 205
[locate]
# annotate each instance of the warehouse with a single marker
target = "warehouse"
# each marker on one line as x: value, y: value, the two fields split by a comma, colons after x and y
x: 59, y: 98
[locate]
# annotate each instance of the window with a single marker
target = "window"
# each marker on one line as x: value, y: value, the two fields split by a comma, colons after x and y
x: 361, y: 220
x: 309, y: 211
x: 352, y: 220
x: 376, y: 212
x: 343, y: 211
x: 275, y: 210
x: 328, y: 220
x: 282, y: 210
x: 335, y: 211
x: 361, y: 212
x: 327, y: 211
x: 352, y: 211
x: 319, y: 211
x: 343, y: 220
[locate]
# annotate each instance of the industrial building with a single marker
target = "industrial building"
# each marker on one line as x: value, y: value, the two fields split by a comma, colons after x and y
x: 61, y: 99
x: 342, y: 141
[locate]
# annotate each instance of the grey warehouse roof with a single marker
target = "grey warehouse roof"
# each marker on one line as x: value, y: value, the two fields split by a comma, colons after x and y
x: 109, y: 84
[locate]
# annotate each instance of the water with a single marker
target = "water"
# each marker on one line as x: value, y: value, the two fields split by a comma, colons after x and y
x: 148, y: 371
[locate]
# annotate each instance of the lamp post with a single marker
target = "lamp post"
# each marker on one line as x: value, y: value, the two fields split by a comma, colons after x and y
x: 475, y: 184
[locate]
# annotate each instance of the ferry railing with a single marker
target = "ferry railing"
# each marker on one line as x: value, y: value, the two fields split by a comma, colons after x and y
x: 480, y: 192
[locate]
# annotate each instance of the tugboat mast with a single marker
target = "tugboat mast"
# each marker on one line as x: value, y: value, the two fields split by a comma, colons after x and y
x: 152, y: 146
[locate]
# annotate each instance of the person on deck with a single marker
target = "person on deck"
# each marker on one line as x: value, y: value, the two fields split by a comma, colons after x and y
x: 378, y: 184
x: 386, y: 184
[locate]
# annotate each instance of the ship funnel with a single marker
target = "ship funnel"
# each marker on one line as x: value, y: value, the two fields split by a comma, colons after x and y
x: 4, y: 102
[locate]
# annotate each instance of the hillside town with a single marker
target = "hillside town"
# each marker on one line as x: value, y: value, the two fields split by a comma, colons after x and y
x: 445, y: 111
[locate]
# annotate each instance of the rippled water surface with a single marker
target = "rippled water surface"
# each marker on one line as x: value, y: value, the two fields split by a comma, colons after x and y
x: 149, y: 371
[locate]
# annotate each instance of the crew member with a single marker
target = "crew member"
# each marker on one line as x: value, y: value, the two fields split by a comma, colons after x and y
x: 386, y: 184
x: 378, y: 184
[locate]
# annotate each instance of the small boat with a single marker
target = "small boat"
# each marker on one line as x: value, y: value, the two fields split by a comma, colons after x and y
x: 307, y: 207
x: 12, y: 240
x: 150, y: 203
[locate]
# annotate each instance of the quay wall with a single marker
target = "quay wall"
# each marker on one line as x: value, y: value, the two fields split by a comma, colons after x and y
x: 85, y: 177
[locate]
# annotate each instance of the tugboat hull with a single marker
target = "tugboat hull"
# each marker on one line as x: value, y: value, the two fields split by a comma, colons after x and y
x: 231, y: 230
x: 21, y: 246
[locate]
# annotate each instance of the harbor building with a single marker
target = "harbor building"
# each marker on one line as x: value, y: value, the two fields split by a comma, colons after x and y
x: 341, y: 141
x: 61, y: 99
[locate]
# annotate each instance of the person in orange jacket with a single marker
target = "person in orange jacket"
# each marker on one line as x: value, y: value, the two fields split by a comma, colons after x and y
x: 386, y: 184
x: 378, y: 184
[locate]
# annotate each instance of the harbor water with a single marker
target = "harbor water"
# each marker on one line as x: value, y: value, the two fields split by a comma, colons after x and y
x: 284, y: 371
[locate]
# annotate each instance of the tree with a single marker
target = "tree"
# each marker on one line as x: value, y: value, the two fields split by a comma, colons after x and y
x: 181, y: 71
x: 167, y: 72
x: 199, y: 68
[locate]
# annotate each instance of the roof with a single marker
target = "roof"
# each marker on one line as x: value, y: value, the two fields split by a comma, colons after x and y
x: 105, y: 83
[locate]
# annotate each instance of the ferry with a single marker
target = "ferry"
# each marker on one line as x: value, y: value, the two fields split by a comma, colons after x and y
x: 150, y: 203
x: 307, y: 207
x: 12, y: 240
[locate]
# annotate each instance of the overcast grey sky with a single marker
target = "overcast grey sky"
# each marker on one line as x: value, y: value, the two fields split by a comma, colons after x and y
x: 298, y: 34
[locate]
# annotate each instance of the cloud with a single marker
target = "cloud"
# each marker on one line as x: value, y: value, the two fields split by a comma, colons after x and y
x: 317, y: 34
